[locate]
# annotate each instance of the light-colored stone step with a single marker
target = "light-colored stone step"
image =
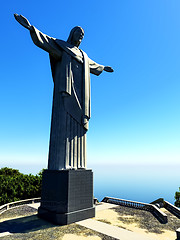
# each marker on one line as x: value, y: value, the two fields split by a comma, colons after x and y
x: 112, y: 231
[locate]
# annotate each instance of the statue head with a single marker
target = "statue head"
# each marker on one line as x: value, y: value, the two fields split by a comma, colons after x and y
x: 76, y: 35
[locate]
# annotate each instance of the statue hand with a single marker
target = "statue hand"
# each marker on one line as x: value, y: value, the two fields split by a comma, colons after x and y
x: 108, y: 69
x: 23, y: 21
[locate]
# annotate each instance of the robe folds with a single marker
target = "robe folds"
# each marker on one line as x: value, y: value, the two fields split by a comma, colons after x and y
x: 71, y: 68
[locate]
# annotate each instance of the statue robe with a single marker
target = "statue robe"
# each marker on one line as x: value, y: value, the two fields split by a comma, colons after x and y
x: 71, y: 68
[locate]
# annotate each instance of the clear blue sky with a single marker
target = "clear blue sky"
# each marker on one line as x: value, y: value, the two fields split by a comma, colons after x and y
x: 135, y: 110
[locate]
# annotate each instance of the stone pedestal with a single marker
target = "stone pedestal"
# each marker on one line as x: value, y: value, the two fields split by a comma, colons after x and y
x: 67, y: 196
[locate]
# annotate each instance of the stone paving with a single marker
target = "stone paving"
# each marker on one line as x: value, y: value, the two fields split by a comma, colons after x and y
x: 102, y: 227
x: 112, y: 231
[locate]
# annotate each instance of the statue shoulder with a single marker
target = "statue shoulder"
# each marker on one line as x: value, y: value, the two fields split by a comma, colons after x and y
x: 62, y: 43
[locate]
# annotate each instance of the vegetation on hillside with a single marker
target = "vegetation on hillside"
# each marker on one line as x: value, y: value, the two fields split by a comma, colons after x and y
x: 177, y: 198
x: 16, y: 186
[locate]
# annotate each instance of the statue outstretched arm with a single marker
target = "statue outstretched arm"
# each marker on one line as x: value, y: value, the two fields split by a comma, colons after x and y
x: 40, y: 39
x: 97, y: 69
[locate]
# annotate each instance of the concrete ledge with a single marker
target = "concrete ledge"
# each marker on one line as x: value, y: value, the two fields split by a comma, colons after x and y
x: 173, y: 209
x: 66, y: 218
x: 161, y: 216
x: 178, y: 234
x: 10, y: 205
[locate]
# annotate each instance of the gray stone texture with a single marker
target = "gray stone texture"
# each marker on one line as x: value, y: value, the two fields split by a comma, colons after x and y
x: 71, y: 68
x: 67, y: 196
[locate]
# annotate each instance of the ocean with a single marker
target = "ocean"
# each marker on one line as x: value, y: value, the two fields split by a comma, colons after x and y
x: 143, y: 183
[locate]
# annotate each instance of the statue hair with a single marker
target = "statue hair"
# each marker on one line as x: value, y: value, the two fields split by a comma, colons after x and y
x: 72, y: 32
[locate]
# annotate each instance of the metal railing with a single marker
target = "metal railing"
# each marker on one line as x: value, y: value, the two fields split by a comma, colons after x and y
x: 7, y: 206
x: 162, y: 217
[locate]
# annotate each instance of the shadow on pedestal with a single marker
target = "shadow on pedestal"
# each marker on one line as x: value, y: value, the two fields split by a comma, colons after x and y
x: 67, y: 196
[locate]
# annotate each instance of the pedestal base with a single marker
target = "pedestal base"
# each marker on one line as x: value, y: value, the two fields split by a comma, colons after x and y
x: 67, y: 196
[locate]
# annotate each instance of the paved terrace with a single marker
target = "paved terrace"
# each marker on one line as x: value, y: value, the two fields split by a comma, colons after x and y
x: 109, y: 230
x: 113, y: 232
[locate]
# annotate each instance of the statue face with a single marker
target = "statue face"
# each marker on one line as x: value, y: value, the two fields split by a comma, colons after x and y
x: 77, y: 37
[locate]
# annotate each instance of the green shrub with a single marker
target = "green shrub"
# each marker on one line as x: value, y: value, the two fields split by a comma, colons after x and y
x: 177, y: 198
x: 16, y: 186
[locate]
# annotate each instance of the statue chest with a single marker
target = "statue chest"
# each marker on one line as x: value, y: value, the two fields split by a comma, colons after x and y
x: 77, y: 71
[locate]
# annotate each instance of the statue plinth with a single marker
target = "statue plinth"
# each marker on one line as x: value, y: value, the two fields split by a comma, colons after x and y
x: 67, y: 196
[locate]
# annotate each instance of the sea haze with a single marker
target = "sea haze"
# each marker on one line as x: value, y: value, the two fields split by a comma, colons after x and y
x: 144, y: 183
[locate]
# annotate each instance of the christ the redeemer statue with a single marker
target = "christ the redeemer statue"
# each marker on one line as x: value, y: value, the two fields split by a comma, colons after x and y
x: 71, y: 68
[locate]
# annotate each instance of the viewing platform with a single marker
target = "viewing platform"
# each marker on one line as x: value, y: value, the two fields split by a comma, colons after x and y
x: 115, y: 219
